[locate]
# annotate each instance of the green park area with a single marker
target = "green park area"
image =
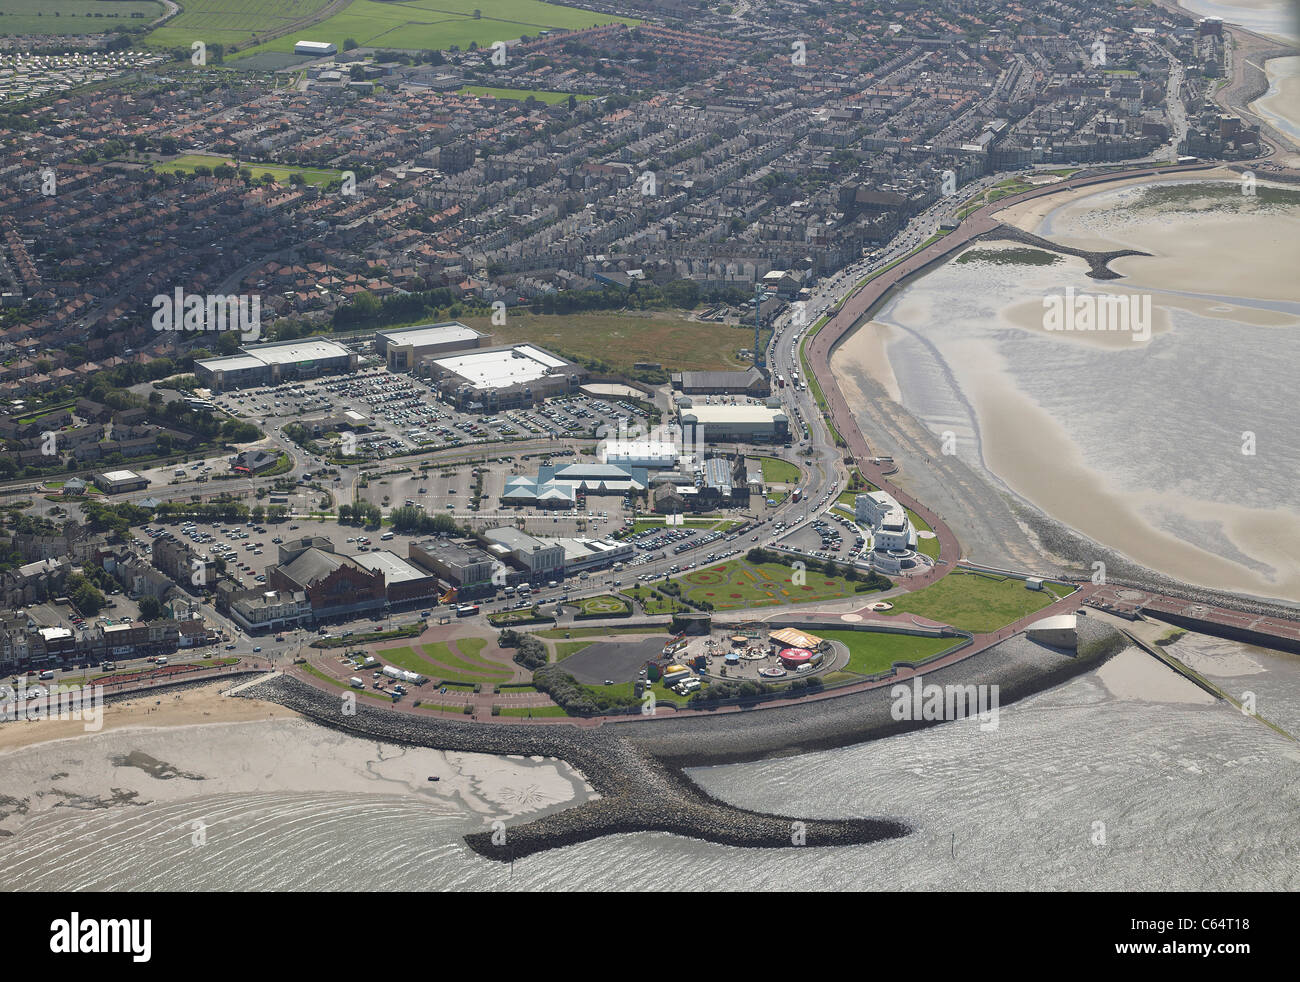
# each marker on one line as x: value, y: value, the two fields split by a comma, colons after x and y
x: 777, y: 471
x: 605, y: 605
x: 522, y: 95
x: 977, y: 602
x: 739, y: 584
x: 871, y: 652
x: 460, y: 660
x: 186, y: 163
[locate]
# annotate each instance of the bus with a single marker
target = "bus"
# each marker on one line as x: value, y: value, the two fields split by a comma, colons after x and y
x: 467, y: 610
x: 796, y: 494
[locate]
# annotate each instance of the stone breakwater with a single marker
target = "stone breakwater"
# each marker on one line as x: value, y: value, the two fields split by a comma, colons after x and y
x: 1098, y: 267
x: 637, y: 767
x: 638, y: 793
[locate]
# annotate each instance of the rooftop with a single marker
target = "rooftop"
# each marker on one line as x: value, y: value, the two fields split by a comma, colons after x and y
x: 426, y: 334
x: 498, y: 368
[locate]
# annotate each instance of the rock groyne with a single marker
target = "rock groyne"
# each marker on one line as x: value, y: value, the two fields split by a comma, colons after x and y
x: 638, y: 793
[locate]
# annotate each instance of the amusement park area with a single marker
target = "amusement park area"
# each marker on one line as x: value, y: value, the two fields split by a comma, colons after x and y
x: 752, y: 653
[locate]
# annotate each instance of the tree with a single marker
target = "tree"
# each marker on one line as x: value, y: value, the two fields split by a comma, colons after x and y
x: 349, y: 44
x: 150, y: 609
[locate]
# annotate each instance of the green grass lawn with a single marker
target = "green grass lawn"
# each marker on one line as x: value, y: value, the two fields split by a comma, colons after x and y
x: 550, y: 98
x: 646, y: 524
x: 973, y: 601
x: 437, y: 662
x: 186, y: 162
x: 928, y: 547
x: 532, y: 712
x: 433, y: 24
x: 738, y: 584
x: 604, y: 605
x: 664, y: 605
x: 598, y: 632
x: 75, y: 16
x: 566, y: 648
x: 624, y: 693
x: 871, y: 652
x: 777, y: 471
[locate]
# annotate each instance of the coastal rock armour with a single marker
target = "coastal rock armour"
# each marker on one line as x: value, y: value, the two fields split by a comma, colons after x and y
x: 638, y: 793
x: 1098, y: 267
x: 1018, y: 666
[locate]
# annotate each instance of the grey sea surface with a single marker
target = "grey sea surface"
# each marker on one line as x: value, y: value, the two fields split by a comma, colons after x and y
x: 1112, y: 781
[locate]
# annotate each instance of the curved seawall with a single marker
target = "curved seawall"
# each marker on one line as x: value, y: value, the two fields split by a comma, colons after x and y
x: 637, y: 768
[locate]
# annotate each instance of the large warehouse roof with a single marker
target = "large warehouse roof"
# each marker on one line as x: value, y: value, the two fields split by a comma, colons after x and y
x: 277, y: 353
x: 428, y: 334
x: 293, y: 352
x: 498, y: 368
x: 731, y: 414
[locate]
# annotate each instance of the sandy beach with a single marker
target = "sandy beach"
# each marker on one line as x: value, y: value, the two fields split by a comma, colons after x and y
x: 1281, y: 104
x: 203, y: 704
x: 963, y: 372
x: 190, y: 756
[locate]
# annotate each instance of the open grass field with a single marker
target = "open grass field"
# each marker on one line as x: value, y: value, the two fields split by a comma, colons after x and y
x: 739, y: 584
x: 407, y: 25
x: 75, y: 16
x: 973, y: 601
x: 622, y: 339
x: 186, y: 163
x: 777, y: 471
x: 231, y: 22
x: 871, y: 652
x: 566, y: 648
x: 927, y: 547
x: 550, y: 98
x: 440, y: 662
x: 534, y: 712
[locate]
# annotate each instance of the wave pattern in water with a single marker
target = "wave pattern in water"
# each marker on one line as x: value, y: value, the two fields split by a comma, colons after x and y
x: 1191, y: 796
x: 265, y: 841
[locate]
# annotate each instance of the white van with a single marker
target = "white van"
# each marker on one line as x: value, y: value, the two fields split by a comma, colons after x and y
x: 357, y: 683
x: 161, y: 660
x: 46, y: 675
x: 386, y: 536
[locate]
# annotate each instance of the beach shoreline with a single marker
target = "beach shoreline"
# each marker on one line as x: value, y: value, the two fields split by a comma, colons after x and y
x: 1008, y: 423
